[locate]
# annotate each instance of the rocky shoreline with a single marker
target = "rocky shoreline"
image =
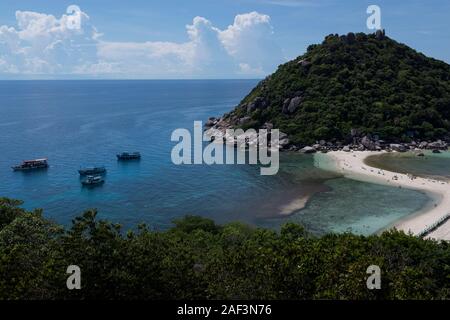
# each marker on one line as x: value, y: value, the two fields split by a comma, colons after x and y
x: 359, y: 142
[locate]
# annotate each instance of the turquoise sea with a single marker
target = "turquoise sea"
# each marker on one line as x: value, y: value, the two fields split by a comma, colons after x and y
x: 79, y: 123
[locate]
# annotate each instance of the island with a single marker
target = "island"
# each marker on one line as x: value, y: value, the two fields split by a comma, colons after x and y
x: 356, y: 95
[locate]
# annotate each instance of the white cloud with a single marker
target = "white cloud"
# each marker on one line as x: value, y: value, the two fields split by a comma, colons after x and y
x: 249, y: 40
x: 249, y: 70
x: 44, y: 44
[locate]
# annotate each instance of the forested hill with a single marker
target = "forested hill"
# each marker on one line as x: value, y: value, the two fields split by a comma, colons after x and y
x: 370, y: 83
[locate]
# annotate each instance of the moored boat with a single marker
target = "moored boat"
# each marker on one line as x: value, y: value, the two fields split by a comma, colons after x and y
x: 32, y: 165
x: 128, y: 156
x: 92, y: 171
x: 93, y: 180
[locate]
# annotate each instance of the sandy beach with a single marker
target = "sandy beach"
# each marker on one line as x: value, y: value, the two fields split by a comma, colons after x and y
x: 294, y: 206
x: 352, y: 165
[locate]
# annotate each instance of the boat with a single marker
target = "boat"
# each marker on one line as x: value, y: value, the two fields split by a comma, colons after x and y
x: 32, y: 165
x: 128, y: 156
x: 92, y: 180
x: 92, y: 171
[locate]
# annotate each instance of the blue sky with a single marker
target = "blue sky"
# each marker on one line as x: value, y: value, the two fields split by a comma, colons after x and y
x: 196, y: 38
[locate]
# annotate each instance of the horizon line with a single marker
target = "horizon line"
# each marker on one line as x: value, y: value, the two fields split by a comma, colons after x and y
x: 132, y: 79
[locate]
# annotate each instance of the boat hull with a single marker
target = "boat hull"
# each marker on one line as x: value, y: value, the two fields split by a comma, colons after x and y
x: 92, y: 184
x: 131, y: 156
x: 87, y: 172
x: 20, y: 168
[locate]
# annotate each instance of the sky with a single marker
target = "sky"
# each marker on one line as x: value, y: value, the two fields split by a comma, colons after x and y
x: 194, y: 39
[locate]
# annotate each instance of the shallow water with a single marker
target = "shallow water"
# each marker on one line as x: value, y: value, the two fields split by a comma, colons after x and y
x: 432, y: 164
x: 79, y: 123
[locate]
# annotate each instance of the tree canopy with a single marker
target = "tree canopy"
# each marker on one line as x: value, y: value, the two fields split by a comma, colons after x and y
x: 197, y: 259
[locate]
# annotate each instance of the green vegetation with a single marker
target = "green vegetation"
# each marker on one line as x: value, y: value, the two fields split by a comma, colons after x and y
x: 366, y: 82
x: 197, y: 259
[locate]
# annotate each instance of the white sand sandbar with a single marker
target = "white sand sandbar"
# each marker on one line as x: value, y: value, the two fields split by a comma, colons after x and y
x: 351, y: 165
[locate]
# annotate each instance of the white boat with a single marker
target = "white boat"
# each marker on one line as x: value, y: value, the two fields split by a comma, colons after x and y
x: 93, y: 180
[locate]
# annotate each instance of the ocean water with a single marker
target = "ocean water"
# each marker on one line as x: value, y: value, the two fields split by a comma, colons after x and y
x: 82, y: 123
